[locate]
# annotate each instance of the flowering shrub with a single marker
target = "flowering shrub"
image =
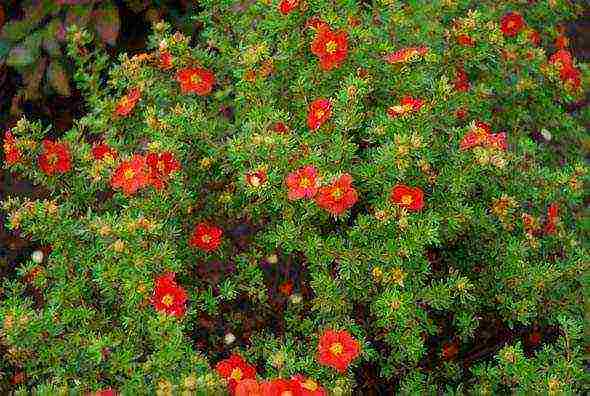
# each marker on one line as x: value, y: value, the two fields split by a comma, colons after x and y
x: 306, y: 195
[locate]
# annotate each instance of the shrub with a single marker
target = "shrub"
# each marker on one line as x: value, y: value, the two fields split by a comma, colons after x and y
x: 311, y: 192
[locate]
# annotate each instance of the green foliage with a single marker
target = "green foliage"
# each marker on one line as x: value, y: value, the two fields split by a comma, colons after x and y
x: 385, y: 274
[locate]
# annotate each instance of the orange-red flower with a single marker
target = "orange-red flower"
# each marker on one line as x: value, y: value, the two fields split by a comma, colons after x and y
x: 552, y: 218
x: 256, y: 178
x: 337, y: 349
x: 337, y: 197
x: 165, y: 60
x: 101, y: 150
x: 408, y: 104
x: 55, y: 158
x: 511, y: 24
x: 235, y: 369
x: 249, y: 387
x: 534, y: 37
x: 11, y: 153
x: 303, y: 183
x: 127, y: 103
x: 309, y: 387
x: 160, y: 167
x: 465, y: 40
x: 282, y: 387
x: 561, y: 59
x: 195, y: 80
x: 206, y: 237
x: 317, y: 23
x: 168, y: 296
x: 280, y: 127
x: 331, y: 47
x: 406, y: 54
x: 411, y: 198
x: 286, y: 6
x: 462, y: 80
x: 561, y: 42
x: 480, y: 134
x: 286, y: 287
x: 130, y: 175
x: 320, y: 110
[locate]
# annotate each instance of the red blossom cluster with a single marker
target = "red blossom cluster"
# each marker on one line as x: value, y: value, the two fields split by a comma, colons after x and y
x: 206, y: 237
x: 286, y: 6
x: 153, y: 169
x: 168, y: 296
x: 195, y: 80
x: 330, y: 47
x: 128, y: 102
x: 511, y: 24
x: 55, y: 158
x: 320, y: 110
x: 336, y: 349
x: 480, y: 134
x: 569, y: 74
x: 407, y: 54
x: 11, y: 153
x: 411, y: 198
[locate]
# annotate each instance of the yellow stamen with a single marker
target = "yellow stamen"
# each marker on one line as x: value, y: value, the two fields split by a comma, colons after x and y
x: 407, y: 199
x: 196, y: 79
x: 331, y: 47
x: 304, y: 182
x: 336, y: 348
x: 337, y: 193
x: 310, y: 385
x: 236, y: 374
x: 167, y: 300
x: 129, y: 174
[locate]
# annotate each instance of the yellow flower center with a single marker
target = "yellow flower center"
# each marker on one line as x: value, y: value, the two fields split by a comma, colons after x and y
x: 407, y: 199
x: 310, y: 385
x: 286, y: 393
x: 336, y: 348
x: 167, y: 300
x: 331, y: 47
x: 305, y: 182
x: 196, y: 79
x: 161, y: 166
x: 236, y: 374
x: 319, y: 113
x: 206, y: 238
x: 52, y: 159
x: 254, y: 181
x: 129, y: 174
x: 337, y: 193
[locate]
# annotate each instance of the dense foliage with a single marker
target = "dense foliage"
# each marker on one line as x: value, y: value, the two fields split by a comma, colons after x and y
x: 311, y: 190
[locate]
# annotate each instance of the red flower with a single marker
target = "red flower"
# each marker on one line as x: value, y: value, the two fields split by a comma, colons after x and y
x: 206, y: 237
x: 465, y: 40
x: 317, y: 23
x: 160, y: 167
x: 105, y: 392
x: 195, y: 80
x: 101, y: 150
x: 235, y: 369
x: 319, y: 112
x: 165, y: 60
x: 286, y: 6
x: 302, y: 183
x: 450, y: 350
x: 130, y: 175
x: 552, y: 218
x: 511, y: 24
x: 55, y: 158
x: 256, y: 178
x: 461, y: 113
x: 476, y: 136
x: 561, y: 58
x: 282, y: 387
x: 280, y: 127
x: 571, y: 76
x: 286, y: 287
x: 462, y: 80
x: 497, y: 140
x: 11, y: 153
x: 534, y: 37
x: 411, y: 198
x: 331, y: 47
x: 337, y: 349
x: 407, y: 105
x: 561, y: 42
x: 309, y: 387
x: 127, y: 103
x: 338, y: 196
x: 249, y: 387
x: 406, y: 54
x: 168, y: 296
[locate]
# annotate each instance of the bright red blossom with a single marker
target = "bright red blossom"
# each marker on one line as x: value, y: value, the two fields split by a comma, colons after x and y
x: 280, y: 127
x: 235, y: 369
x: 411, y: 198
x: 160, y: 167
x: 511, y: 24
x: 282, y: 387
x: 320, y: 110
x: 337, y: 349
x: 286, y: 6
x: 406, y: 54
x: 461, y: 80
x: 331, y: 47
x: 407, y: 105
x: 249, y: 387
x: 165, y: 60
x: 303, y: 183
x: 465, y: 40
x: 480, y: 135
x: 168, y: 296
x: 534, y: 37
x: 127, y: 103
x: 206, y: 237
x: 561, y: 42
x: 11, y: 153
x: 195, y: 80
x: 55, y: 158
x: 101, y: 150
x: 552, y: 219
x: 130, y: 175
x: 337, y: 197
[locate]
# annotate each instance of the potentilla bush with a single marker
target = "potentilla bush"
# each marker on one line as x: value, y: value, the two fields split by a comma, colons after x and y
x: 307, y: 191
